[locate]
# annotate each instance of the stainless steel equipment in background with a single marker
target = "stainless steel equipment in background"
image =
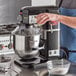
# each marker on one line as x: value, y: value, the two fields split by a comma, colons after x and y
x: 6, y: 47
x: 6, y: 39
x: 30, y: 37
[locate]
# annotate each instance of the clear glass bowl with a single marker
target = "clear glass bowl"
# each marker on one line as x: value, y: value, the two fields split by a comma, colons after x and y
x: 58, y: 67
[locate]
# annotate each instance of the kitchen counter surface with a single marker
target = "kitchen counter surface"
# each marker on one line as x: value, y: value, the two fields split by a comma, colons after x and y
x: 27, y: 72
x: 19, y: 71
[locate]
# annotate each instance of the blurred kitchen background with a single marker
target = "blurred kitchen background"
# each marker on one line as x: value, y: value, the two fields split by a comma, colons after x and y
x: 9, y: 9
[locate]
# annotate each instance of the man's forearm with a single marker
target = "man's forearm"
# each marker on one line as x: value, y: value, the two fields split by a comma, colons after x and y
x: 69, y: 21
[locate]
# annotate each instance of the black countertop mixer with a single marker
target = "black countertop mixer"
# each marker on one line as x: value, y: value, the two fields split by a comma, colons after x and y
x: 36, y: 44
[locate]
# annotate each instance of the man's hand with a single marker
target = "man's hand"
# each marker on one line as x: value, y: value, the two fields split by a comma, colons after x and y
x: 44, y: 17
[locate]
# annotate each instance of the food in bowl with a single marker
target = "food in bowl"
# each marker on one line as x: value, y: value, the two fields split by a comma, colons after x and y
x: 58, y: 67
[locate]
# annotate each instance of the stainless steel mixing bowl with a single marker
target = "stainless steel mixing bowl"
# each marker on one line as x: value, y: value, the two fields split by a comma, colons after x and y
x: 26, y: 42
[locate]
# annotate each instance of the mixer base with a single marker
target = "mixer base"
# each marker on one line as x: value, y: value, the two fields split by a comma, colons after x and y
x: 29, y: 63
